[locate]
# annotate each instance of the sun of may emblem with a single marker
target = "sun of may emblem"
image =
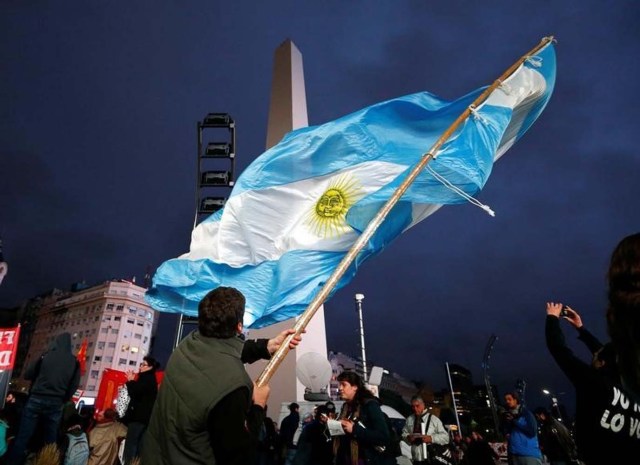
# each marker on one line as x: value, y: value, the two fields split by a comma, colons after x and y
x: 327, y: 219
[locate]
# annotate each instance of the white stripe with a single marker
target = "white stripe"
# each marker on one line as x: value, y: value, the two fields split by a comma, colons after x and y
x: 522, y: 90
x: 264, y: 224
x: 525, y: 87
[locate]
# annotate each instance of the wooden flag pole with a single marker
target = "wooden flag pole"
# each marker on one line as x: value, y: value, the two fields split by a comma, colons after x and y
x: 373, y: 225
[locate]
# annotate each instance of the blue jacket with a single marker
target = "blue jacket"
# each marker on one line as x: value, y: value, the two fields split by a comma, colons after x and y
x: 523, y: 435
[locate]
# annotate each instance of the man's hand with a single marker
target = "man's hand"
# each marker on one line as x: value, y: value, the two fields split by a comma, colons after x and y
x: 275, y: 343
x: 261, y: 395
x: 131, y: 375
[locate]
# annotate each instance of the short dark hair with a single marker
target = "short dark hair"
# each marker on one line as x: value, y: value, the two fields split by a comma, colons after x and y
x: 220, y: 312
x: 514, y: 394
x: 541, y: 411
x: 110, y: 414
x: 321, y: 410
x: 152, y: 362
x: 293, y: 406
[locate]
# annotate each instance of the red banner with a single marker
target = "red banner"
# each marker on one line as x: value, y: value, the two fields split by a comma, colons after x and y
x: 108, y: 390
x: 8, y: 347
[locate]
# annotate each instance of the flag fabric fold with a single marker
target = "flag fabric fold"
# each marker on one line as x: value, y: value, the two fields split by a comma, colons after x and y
x: 299, y: 207
x: 81, y: 356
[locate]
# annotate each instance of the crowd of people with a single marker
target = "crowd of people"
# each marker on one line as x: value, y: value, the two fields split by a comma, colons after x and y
x: 208, y: 411
x: 49, y: 416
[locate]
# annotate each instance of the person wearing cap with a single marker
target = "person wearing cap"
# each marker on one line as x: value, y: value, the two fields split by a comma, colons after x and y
x: 288, y: 428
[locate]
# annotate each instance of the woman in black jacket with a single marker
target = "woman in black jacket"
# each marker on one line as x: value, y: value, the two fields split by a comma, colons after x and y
x: 142, y: 392
x: 367, y: 436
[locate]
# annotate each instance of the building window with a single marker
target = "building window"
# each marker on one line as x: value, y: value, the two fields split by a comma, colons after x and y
x: 117, y: 318
x: 94, y: 374
x: 146, y: 338
x: 140, y: 323
x: 97, y: 358
x: 108, y: 359
x: 112, y: 345
x: 132, y: 362
x: 120, y: 308
x: 109, y: 306
x: 125, y: 347
x: 114, y: 331
x: 132, y: 310
x: 122, y: 361
x: 134, y: 350
x: 130, y: 321
x: 137, y: 336
x: 91, y: 388
x: 104, y: 330
x: 101, y: 345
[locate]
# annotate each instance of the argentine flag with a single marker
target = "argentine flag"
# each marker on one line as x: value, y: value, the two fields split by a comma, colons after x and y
x: 298, y: 208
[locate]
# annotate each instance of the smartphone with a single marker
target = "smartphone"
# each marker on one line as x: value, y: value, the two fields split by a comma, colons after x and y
x: 564, y: 311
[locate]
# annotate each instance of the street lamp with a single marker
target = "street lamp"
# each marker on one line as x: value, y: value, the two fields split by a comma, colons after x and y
x: 359, y: 298
x: 555, y: 408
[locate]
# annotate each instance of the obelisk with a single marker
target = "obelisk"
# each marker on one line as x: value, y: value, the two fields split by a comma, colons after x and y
x: 288, y: 111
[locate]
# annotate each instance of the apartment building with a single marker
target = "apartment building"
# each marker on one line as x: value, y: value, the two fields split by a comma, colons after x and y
x: 114, y: 319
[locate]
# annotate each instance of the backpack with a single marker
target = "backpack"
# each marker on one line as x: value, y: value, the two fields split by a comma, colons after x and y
x: 393, y: 449
x: 78, y: 450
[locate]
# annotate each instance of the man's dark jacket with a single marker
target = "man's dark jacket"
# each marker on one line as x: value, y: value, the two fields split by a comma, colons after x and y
x: 56, y: 374
x: 201, y: 372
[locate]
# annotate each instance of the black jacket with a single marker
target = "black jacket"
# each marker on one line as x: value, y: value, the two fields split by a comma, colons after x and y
x: 371, y: 433
x: 143, y: 393
x: 56, y: 374
x: 607, y: 420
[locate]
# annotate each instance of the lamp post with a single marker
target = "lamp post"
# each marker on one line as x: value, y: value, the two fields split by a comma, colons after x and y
x: 555, y: 408
x: 359, y: 298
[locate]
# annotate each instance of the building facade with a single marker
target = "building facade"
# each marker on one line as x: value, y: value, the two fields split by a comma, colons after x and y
x: 112, y: 317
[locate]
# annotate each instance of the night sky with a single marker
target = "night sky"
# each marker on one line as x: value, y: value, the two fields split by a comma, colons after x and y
x: 98, y: 150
